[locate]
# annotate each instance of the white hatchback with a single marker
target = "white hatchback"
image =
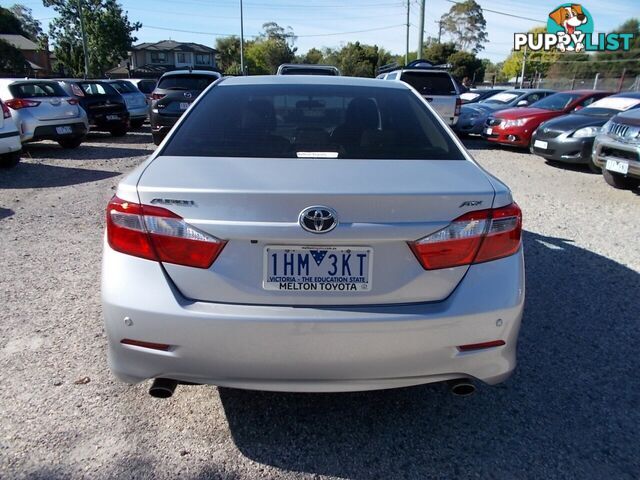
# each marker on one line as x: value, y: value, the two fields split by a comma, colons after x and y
x: 312, y: 234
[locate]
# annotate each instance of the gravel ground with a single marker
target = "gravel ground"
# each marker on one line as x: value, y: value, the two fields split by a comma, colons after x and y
x: 570, y: 411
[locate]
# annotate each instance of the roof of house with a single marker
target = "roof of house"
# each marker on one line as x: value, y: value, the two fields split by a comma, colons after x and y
x: 172, y: 45
x: 18, y: 41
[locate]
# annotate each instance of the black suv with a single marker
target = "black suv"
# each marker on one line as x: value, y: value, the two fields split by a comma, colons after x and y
x: 105, y: 107
x: 174, y: 93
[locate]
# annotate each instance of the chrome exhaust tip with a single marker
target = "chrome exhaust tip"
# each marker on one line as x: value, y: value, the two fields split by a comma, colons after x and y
x: 163, y: 387
x: 462, y: 387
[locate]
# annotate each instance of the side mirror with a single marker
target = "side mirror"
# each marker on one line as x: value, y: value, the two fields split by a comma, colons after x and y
x: 522, y: 103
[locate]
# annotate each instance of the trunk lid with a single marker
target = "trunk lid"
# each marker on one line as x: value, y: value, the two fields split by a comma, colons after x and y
x: 255, y: 203
x: 54, y: 108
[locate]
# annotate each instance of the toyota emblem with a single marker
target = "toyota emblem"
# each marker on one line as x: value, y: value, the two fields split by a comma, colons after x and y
x: 318, y: 219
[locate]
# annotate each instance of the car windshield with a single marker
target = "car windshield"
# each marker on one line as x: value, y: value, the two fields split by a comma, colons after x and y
x: 610, y: 106
x: 312, y: 121
x: 37, y: 89
x: 123, y: 87
x: 186, y: 82
x: 430, y: 83
x: 94, y: 88
x: 469, y: 96
x: 557, y: 101
x: 503, y: 97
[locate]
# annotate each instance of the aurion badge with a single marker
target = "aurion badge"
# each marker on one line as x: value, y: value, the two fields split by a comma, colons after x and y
x: 318, y: 219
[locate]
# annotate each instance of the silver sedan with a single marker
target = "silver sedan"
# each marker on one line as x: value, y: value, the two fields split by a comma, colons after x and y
x: 312, y: 234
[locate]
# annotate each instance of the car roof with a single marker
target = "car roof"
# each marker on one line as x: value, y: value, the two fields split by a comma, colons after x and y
x: 627, y: 94
x: 176, y: 73
x: 312, y: 80
x: 585, y: 91
x: 80, y: 80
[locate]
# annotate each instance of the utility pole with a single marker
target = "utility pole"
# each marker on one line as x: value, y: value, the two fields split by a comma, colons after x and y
x: 84, y: 40
x: 406, y: 52
x: 524, y: 63
x: 439, y: 22
x: 241, y: 40
x: 421, y: 30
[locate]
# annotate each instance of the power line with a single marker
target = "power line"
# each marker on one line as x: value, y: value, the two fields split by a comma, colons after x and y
x: 506, y: 14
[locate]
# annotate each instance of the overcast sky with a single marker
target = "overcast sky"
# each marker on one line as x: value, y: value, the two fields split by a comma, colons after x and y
x: 323, y: 23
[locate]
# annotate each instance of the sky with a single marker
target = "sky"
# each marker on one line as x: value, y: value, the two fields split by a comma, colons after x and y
x: 328, y: 23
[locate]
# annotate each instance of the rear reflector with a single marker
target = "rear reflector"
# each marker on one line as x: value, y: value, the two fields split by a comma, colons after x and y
x: 481, y: 346
x: 156, y: 233
x: 138, y: 343
x: 475, y: 237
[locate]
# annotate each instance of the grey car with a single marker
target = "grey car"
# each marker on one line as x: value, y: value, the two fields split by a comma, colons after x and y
x: 473, y: 116
x: 616, y: 150
x: 312, y: 233
x: 134, y: 99
x: 42, y: 110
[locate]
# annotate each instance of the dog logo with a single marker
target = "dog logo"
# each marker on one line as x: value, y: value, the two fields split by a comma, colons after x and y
x: 569, y: 20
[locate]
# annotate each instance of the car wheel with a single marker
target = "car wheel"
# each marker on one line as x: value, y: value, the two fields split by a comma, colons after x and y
x: 9, y: 160
x: 119, y: 131
x: 70, y: 142
x: 157, y: 138
x: 619, y: 181
x: 137, y: 123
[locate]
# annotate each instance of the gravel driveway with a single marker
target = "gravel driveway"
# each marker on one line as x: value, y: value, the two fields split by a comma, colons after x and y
x: 570, y: 411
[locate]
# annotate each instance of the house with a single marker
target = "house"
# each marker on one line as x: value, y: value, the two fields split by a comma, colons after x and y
x: 153, y: 59
x: 38, y: 59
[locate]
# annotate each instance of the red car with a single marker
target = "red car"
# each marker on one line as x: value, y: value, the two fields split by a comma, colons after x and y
x: 515, y: 126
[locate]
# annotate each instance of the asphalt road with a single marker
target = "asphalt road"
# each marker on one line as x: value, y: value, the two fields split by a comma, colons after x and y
x: 570, y: 411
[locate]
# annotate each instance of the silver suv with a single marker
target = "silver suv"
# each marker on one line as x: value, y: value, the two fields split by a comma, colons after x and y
x: 42, y: 110
x: 436, y: 86
x: 617, y: 150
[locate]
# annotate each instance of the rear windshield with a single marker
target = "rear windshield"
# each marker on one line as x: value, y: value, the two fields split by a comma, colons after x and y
x: 557, y: 101
x: 312, y: 121
x: 37, y: 89
x: 123, y: 87
x: 94, y: 88
x: 146, y: 86
x: 186, y: 82
x: 430, y: 83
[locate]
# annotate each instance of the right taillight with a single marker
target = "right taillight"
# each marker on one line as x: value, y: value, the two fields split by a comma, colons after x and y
x: 158, y: 234
x: 475, y: 237
x: 6, y: 113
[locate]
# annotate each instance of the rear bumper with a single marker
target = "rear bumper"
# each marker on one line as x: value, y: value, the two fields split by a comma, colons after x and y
x: 162, y: 123
x: 49, y: 132
x: 311, y: 349
x: 565, y: 149
x: 101, y: 122
x: 33, y: 130
x: 9, y: 141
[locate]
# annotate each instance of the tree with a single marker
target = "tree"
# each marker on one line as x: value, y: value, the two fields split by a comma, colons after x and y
x: 9, y: 23
x: 466, y: 25
x: 314, y: 56
x: 465, y: 64
x: 537, y: 62
x: 108, y: 32
x: 229, y: 54
x: 358, y: 60
x: 11, y: 59
x: 272, y: 48
x: 439, y: 53
x: 31, y: 27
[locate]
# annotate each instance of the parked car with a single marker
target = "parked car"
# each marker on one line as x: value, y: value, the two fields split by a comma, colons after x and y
x: 175, y: 92
x: 616, y: 150
x: 10, y: 145
x: 436, y: 85
x: 135, y: 101
x: 474, y: 116
x: 569, y: 139
x: 307, y: 69
x: 105, y: 107
x: 514, y: 127
x: 42, y: 110
x: 476, y: 95
x: 312, y: 234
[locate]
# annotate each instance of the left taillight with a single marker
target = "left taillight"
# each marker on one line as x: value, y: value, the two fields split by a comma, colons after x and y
x: 72, y: 101
x: 458, y: 107
x: 475, y: 237
x: 158, y: 234
x: 6, y: 113
x: 18, y: 103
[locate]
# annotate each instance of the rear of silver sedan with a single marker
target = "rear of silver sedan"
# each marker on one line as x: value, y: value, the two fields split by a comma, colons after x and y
x: 315, y: 234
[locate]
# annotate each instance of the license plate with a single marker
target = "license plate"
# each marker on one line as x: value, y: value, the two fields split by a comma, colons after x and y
x: 488, y: 131
x: 66, y: 130
x: 184, y: 105
x: 317, y: 269
x: 113, y: 117
x: 618, y: 166
x: 540, y: 144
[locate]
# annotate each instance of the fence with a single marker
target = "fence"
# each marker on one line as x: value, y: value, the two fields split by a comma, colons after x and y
x: 613, y: 84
